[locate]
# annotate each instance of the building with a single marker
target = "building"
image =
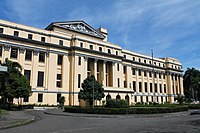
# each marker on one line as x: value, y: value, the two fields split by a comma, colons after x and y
x: 57, y: 59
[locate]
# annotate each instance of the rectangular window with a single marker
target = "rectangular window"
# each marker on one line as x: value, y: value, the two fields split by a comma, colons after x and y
x: 27, y: 73
x: 135, y: 98
x: 134, y: 86
x: 42, y: 39
x: 81, y: 44
x: 160, y: 88
x: 41, y: 57
x: 58, y: 97
x: 61, y: 42
x: 79, y: 80
x: 150, y: 74
x: 14, y: 53
x: 28, y: 55
x: 100, y: 49
x: 30, y: 36
x: 159, y: 75
x: 163, y: 76
x: 139, y: 72
x: 125, y: 85
x: 124, y: 70
x: 116, y: 52
x: 1, y: 30
x: 40, y: 97
x: 156, y: 89
x: 133, y: 71
x: 16, y: 33
x: 79, y: 61
x: 26, y: 99
x: 60, y: 59
x: 133, y: 58
x: 117, y: 66
x: 40, y: 80
x: 140, y: 86
x: 118, y: 82
x: 0, y: 50
x: 139, y: 60
x: 145, y: 73
x: 125, y: 56
x: 91, y: 47
x: 165, y: 88
x: 155, y: 75
x: 59, y: 81
x: 145, y: 61
x: 145, y: 85
x: 151, y: 87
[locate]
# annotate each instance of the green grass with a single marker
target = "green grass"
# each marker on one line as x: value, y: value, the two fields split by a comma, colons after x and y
x: 3, y: 112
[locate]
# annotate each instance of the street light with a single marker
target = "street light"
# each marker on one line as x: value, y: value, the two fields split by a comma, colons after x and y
x: 93, y: 93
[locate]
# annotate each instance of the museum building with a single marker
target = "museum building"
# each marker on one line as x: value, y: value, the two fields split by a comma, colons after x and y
x: 56, y: 61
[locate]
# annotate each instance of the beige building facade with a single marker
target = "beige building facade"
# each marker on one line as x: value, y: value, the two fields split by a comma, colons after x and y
x: 57, y: 59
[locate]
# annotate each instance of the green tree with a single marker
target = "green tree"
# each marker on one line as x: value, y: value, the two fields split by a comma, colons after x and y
x: 14, y: 84
x: 91, y: 90
x: 191, y: 80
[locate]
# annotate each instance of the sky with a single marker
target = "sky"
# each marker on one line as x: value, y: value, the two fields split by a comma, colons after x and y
x: 170, y: 27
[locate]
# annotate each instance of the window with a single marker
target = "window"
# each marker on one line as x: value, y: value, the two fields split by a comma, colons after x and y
x: 116, y: 52
x: 60, y: 59
x: 124, y: 70
x: 125, y: 56
x: 145, y: 61
x: 1, y: 30
x: 139, y: 60
x: 149, y: 62
x: 133, y: 58
x: 160, y: 88
x: 27, y: 73
x: 158, y: 64
x: 40, y: 97
x: 150, y: 74
x: 165, y: 88
x: 135, y: 98
x: 28, y: 55
x: 133, y: 71
x: 151, y: 87
x: 91, y: 47
x: 81, y: 44
x: 26, y: 99
x: 79, y: 80
x: 118, y: 82
x: 14, y: 53
x: 117, y: 66
x: 59, y: 81
x: 109, y: 51
x: 140, y: 86
x: 16, y: 33
x: 159, y: 75
x: 30, y: 36
x: 79, y: 61
x: 163, y: 65
x: 145, y: 86
x: 155, y: 75
x: 125, y: 84
x: 139, y: 72
x: 58, y: 97
x: 134, y: 85
x: 41, y: 57
x: 156, y: 90
x: 0, y: 50
x: 163, y: 76
x: 145, y: 73
x: 100, y: 49
x: 61, y: 42
x: 42, y: 39
x: 40, y: 80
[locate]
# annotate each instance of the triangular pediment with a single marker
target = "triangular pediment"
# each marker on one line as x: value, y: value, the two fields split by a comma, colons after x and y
x: 78, y: 26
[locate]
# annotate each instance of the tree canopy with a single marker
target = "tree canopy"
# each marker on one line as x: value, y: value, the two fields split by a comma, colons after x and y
x: 89, y: 87
x: 191, y: 80
x: 13, y: 83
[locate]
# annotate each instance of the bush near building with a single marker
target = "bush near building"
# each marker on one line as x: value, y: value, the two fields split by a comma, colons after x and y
x: 116, y: 103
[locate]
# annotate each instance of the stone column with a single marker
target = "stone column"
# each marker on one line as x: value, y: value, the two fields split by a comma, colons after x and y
x: 104, y: 73
x: 95, y: 68
x: 85, y: 66
x: 34, y: 69
x: 113, y: 75
x: 6, y: 52
x: 181, y: 85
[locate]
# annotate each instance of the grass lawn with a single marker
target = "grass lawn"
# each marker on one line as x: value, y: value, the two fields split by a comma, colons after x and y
x: 3, y: 112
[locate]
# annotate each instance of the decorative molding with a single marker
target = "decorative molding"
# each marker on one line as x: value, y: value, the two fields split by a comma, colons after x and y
x: 6, y: 47
x: 21, y: 50
x: 35, y: 52
x: 47, y: 53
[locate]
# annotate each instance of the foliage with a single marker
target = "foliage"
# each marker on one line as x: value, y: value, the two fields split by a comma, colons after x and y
x: 116, y: 103
x: 14, y: 84
x: 180, y: 99
x: 134, y: 110
x: 191, y: 80
x: 61, y: 102
x: 91, y: 89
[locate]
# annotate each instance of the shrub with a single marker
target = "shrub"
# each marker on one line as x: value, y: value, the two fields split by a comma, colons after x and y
x: 194, y: 106
x: 116, y: 103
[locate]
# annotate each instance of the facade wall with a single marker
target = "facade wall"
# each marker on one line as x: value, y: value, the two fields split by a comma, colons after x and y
x: 123, y: 73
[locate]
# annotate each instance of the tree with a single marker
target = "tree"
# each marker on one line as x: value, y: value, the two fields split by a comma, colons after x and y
x: 91, y: 90
x: 191, y: 80
x: 14, y: 84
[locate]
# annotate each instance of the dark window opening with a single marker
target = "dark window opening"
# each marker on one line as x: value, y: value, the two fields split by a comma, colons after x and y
x: 14, y: 53
x: 1, y: 30
x: 41, y: 57
x: 40, y: 97
x: 28, y: 55
x: 61, y: 42
x: 16, y: 33
x: 40, y: 80
x: 60, y: 59
x: 30, y: 36
x: 27, y: 73
x: 42, y: 39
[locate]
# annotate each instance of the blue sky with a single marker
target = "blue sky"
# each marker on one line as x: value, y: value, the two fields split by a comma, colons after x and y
x: 170, y: 27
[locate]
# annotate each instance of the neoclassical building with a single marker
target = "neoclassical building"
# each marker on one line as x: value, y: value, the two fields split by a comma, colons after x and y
x: 57, y: 59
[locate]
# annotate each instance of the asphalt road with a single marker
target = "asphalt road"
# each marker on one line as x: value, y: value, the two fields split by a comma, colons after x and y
x: 123, y: 124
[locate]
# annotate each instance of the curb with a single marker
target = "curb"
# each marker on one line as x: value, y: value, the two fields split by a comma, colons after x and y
x: 21, y: 123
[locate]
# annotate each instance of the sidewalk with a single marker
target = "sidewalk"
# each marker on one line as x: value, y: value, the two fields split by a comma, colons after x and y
x: 15, y: 118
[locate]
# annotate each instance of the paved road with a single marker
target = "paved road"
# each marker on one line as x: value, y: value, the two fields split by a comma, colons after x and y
x: 123, y: 124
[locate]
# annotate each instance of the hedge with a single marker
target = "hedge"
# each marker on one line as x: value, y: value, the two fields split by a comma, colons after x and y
x: 133, y: 110
x: 194, y: 106
x: 116, y: 103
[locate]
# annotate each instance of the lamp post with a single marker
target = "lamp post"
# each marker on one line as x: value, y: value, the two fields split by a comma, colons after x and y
x: 93, y: 94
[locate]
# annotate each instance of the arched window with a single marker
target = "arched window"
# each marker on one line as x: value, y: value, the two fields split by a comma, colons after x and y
x: 118, y: 97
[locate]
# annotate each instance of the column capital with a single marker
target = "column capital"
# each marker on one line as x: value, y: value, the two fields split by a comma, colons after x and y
x: 85, y: 58
x: 47, y: 53
x: 35, y: 52
x: 6, y: 47
x: 21, y: 50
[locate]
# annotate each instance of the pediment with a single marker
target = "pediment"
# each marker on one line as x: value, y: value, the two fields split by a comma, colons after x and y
x: 78, y: 26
